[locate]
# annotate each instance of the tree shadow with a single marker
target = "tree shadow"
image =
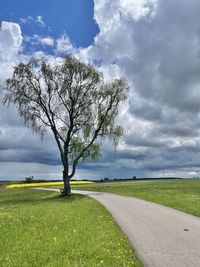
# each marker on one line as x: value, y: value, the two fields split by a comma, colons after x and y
x: 32, y: 198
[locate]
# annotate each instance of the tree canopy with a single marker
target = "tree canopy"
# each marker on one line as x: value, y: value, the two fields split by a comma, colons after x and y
x: 74, y: 101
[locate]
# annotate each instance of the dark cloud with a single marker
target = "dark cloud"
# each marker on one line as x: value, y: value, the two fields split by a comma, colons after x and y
x: 182, y: 131
x: 142, y: 141
x: 127, y: 154
x: 147, y: 111
x: 31, y: 156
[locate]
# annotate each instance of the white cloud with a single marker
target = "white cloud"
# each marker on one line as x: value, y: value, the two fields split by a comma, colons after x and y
x: 37, y: 39
x: 39, y: 20
x: 49, y: 41
x: 10, y: 46
x: 116, y: 21
x: 136, y: 9
x: 64, y: 45
x: 29, y: 20
x: 10, y: 39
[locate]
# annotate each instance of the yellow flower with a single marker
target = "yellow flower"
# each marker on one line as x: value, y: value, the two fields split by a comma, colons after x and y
x: 47, y: 184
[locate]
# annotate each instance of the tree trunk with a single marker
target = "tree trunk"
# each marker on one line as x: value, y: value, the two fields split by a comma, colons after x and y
x: 67, y: 188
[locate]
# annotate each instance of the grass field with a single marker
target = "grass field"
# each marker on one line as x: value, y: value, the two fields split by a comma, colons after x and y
x: 180, y: 194
x: 41, y: 228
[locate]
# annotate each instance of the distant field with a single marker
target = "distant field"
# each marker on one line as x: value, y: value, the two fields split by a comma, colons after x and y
x: 40, y: 228
x: 180, y: 194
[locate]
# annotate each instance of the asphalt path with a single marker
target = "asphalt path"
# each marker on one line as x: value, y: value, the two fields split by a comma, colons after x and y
x: 162, y: 236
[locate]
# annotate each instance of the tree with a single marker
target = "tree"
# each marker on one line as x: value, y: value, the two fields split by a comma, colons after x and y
x: 73, y: 100
x: 29, y: 179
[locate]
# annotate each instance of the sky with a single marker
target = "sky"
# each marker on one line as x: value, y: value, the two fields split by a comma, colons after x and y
x: 154, y: 44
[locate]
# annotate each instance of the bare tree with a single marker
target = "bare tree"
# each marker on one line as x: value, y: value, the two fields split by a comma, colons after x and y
x: 74, y: 101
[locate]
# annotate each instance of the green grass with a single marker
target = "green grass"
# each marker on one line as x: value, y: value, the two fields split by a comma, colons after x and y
x: 180, y: 194
x: 39, y: 228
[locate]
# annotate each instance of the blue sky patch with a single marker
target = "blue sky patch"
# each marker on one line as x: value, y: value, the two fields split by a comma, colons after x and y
x: 53, y: 18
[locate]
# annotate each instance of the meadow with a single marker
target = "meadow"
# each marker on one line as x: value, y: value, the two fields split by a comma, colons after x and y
x: 183, y: 194
x: 40, y: 228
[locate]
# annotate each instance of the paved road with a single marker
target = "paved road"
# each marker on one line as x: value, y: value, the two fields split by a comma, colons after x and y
x: 162, y: 236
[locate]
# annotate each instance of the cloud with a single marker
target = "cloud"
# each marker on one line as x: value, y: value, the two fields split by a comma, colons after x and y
x: 64, y: 45
x: 27, y: 20
x: 155, y: 45
x: 26, y: 169
x: 26, y: 147
x: 36, y: 40
x: 137, y: 9
x: 116, y: 20
x: 10, y: 48
x: 39, y: 20
x: 49, y: 41
x: 11, y: 40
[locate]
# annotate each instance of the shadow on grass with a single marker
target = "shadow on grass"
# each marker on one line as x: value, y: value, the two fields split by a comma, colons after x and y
x: 30, y: 197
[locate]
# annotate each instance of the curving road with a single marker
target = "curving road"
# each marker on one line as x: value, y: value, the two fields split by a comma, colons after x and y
x: 162, y: 236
